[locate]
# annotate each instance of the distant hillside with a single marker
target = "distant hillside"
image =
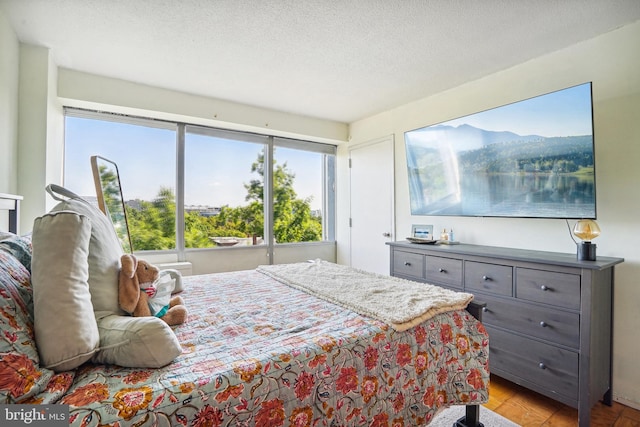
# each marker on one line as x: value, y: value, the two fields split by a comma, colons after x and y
x: 467, y: 137
x: 558, y: 154
x: 491, y: 137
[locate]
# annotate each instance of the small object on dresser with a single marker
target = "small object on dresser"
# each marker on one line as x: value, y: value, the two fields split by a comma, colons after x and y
x: 586, y: 230
x: 447, y: 238
x: 422, y: 240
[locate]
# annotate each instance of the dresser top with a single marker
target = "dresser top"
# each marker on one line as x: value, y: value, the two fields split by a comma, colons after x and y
x: 554, y: 258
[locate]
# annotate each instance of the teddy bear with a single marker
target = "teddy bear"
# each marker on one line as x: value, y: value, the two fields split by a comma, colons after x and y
x: 140, y: 293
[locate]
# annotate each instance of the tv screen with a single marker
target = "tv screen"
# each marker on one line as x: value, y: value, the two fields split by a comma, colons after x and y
x: 530, y: 159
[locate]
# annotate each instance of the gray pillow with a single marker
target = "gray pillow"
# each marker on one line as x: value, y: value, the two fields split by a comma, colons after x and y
x: 66, y: 330
x: 104, y: 251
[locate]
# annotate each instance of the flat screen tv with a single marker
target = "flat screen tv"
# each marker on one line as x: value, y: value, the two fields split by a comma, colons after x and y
x: 530, y: 159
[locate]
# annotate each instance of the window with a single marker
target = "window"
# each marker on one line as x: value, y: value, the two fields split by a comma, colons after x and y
x: 303, y: 183
x: 223, y: 178
x: 145, y: 152
x: 188, y: 186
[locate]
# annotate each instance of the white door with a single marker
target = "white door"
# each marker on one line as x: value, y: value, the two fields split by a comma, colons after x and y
x: 372, y: 204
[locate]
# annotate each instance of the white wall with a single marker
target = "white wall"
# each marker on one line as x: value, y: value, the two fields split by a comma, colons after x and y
x: 30, y: 115
x: 91, y: 91
x: 9, y: 58
x: 39, y: 123
x: 245, y: 258
x: 612, y: 63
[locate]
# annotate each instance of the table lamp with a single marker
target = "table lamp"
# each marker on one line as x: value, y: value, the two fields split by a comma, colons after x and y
x: 586, y: 230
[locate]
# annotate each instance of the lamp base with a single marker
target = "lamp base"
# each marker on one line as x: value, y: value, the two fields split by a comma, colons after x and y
x: 586, y: 251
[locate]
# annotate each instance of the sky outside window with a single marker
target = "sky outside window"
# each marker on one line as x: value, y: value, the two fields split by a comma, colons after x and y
x: 216, y: 169
x: 145, y: 156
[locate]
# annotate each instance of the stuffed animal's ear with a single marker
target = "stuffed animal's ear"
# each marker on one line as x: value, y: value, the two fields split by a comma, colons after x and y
x: 129, y: 265
x: 128, y: 287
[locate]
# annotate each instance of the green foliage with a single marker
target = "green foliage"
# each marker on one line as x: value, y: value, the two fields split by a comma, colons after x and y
x: 555, y: 154
x: 148, y: 228
x: 152, y: 224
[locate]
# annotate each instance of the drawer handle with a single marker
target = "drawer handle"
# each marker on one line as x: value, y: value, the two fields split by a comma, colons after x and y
x: 542, y: 365
x: 407, y: 263
x: 544, y: 288
x: 442, y: 270
x: 543, y: 324
x: 485, y: 278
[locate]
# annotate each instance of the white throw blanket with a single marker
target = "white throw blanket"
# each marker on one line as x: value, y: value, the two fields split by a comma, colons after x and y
x: 398, y: 302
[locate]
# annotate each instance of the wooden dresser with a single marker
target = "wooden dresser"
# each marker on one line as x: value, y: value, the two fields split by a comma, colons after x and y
x: 549, y: 316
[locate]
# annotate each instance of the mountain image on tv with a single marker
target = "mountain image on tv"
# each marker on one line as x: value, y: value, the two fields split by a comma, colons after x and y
x: 461, y: 168
x: 510, y: 152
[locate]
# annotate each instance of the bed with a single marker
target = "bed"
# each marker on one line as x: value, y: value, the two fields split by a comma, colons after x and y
x: 255, y: 351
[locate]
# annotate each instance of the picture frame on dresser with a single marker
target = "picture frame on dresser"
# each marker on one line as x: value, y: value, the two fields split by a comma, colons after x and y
x: 422, y: 231
x: 549, y: 315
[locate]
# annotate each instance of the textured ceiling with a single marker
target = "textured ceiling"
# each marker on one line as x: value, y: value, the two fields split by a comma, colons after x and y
x: 334, y: 59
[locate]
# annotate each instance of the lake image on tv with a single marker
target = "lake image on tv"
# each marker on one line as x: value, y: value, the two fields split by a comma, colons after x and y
x: 459, y: 168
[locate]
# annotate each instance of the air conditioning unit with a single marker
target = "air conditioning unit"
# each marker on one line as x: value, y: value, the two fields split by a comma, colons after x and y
x: 185, y: 268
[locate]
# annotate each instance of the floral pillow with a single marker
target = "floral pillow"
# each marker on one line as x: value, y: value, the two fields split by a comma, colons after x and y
x: 21, y: 377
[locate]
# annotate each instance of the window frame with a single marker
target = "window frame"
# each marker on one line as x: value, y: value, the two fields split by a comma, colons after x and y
x: 329, y: 152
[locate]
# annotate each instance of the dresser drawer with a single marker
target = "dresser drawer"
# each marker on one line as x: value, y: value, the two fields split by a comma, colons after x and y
x: 446, y: 271
x: 548, y: 287
x: 408, y: 264
x: 553, y: 369
x: 550, y: 324
x: 492, y: 278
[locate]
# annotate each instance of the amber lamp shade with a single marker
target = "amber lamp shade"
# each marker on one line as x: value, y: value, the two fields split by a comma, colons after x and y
x: 586, y: 230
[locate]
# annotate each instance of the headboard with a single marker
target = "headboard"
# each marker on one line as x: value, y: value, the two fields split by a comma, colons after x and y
x: 11, y: 203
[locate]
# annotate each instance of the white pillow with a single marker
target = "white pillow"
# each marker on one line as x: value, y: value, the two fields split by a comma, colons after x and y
x: 66, y: 331
x: 104, y: 251
x: 136, y: 342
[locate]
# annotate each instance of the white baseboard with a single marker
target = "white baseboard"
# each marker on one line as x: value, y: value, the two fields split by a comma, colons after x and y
x: 626, y: 402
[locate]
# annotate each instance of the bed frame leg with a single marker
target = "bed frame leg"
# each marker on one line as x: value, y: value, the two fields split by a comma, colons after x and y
x: 471, y: 417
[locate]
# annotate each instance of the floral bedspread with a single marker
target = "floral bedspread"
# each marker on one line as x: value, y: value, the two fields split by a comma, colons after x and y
x: 259, y: 353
